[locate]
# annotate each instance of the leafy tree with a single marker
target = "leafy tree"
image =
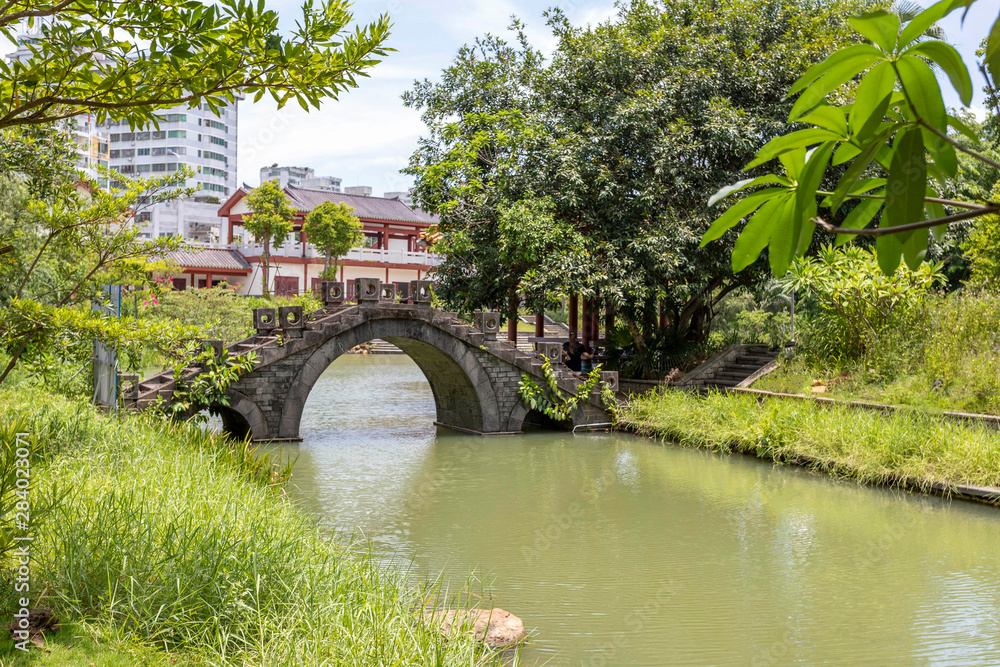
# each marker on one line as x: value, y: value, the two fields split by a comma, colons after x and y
x: 623, y: 130
x: 891, y: 142
x: 130, y: 59
x: 64, y: 246
x: 271, y: 221
x: 333, y: 227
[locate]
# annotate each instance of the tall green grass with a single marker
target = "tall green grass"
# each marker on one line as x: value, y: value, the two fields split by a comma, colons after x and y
x: 904, y: 448
x: 172, y: 537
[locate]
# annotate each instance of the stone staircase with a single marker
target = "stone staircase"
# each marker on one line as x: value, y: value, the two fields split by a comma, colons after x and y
x: 553, y: 329
x: 735, y: 366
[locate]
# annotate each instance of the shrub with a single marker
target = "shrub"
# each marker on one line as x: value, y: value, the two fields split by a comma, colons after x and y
x: 854, y: 312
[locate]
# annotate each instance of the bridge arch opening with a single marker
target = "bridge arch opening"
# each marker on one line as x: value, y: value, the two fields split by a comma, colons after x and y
x: 464, y: 397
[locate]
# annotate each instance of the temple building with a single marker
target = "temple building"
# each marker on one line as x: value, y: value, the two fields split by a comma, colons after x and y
x: 394, y: 249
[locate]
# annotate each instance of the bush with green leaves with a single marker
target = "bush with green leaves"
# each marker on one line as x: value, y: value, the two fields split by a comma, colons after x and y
x: 849, y: 305
x: 218, y: 312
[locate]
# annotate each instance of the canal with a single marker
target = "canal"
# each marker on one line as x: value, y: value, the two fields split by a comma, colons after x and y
x: 618, y: 550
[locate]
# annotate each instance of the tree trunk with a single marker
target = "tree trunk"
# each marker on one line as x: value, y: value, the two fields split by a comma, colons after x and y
x: 266, y: 262
x: 327, y: 264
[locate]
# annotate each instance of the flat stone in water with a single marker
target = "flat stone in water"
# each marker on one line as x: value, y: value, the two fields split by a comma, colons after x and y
x: 496, y: 627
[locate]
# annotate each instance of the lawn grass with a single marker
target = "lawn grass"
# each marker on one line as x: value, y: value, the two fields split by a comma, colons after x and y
x: 169, y: 538
x: 908, y: 389
x: 910, y: 449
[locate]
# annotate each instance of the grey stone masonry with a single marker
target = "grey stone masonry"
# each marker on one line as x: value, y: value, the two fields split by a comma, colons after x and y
x: 475, y: 380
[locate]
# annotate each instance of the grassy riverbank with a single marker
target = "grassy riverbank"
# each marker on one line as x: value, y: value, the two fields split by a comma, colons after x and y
x: 169, y: 540
x: 904, y: 448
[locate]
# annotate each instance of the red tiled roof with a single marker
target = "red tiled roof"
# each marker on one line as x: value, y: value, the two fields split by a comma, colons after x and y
x: 372, y: 208
x: 210, y: 258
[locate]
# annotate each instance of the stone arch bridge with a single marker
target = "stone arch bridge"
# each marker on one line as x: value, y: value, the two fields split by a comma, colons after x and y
x: 474, y: 377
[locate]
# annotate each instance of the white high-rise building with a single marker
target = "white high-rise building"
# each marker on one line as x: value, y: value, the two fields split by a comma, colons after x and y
x: 300, y: 177
x: 196, y: 138
x: 90, y: 139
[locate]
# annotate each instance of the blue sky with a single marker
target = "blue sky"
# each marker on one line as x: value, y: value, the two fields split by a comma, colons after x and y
x: 367, y: 136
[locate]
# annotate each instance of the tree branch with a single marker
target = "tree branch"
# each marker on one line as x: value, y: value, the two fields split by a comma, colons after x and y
x: 900, y: 229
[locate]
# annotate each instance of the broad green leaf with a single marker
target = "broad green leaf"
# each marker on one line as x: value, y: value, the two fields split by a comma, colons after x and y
x: 872, y: 100
x: 834, y: 59
x: 837, y: 76
x: 744, y: 184
x: 845, y: 152
x: 907, y: 182
x: 964, y: 129
x: 880, y: 26
x: 992, y: 55
x: 859, y: 188
x: 782, y: 245
x: 793, y: 161
x: 755, y: 236
x: 805, y: 190
x: 945, y: 157
x: 789, y: 142
x: 737, y: 212
x: 919, y: 24
x: 859, y: 218
x: 869, y: 153
x: 947, y: 57
x: 828, y: 117
x: 922, y: 91
x: 915, y: 248
x: 889, y: 250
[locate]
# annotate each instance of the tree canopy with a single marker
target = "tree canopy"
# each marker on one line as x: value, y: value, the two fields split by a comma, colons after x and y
x: 333, y: 228
x: 130, y: 59
x: 622, y: 132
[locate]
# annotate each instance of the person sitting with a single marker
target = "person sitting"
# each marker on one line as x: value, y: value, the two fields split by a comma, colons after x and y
x: 572, y: 355
x: 586, y: 361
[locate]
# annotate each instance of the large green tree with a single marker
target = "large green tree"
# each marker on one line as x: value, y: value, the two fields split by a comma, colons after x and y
x: 129, y: 59
x: 623, y: 130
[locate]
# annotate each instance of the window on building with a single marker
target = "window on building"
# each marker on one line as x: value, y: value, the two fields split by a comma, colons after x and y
x: 179, y: 283
x: 143, y: 168
x: 177, y: 134
x: 143, y: 217
x: 143, y: 151
x: 286, y: 286
x: 159, y: 166
x: 142, y: 136
x: 116, y: 137
x: 115, y: 154
x: 316, y: 285
x: 219, y: 142
x: 177, y: 150
x: 160, y: 134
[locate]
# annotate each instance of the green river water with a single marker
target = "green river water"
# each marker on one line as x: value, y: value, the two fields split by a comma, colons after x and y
x: 619, y: 550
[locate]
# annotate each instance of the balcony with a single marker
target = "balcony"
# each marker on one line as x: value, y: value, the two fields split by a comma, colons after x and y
x: 290, y: 249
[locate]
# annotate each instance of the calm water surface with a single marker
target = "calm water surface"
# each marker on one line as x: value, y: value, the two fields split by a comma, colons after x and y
x: 619, y: 550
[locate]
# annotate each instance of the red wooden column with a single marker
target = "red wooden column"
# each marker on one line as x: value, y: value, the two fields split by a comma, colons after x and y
x: 574, y: 316
x: 587, y: 322
x: 595, y: 323
x: 609, y: 318
x: 512, y: 317
x: 540, y: 324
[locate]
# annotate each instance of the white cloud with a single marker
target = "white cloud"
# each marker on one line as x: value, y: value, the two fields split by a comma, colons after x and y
x: 368, y: 135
